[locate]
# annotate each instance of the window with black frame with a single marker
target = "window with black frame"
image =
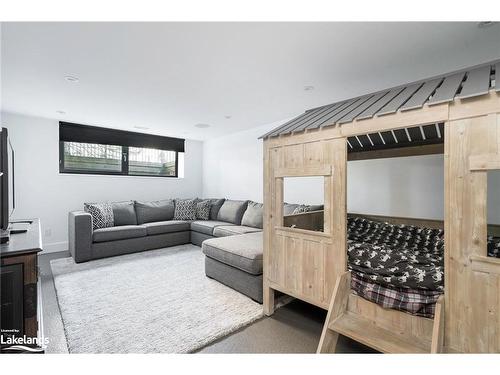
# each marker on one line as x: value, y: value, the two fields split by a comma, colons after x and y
x: 94, y: 150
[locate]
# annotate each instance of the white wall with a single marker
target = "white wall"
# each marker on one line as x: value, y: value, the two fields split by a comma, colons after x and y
x: 232, y: 165
x: 411, y: 186
x: 42, y: 192
x: 294, y: 189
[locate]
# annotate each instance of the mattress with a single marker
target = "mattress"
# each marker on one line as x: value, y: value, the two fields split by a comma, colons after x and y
x: 397, y: 256
x: 399, y: 266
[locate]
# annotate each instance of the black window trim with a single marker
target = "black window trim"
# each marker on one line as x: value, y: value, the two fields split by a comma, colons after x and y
x: 125, y: 153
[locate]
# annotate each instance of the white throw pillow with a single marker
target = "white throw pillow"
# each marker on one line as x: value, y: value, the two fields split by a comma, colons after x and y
x: 102, y: 214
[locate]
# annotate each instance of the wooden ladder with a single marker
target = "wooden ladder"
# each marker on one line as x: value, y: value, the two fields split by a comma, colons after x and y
x: 351, y: 322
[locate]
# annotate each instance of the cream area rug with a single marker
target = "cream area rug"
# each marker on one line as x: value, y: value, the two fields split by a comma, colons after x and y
x: 156, y: 301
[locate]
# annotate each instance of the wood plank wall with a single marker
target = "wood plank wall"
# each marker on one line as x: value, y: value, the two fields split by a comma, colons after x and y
x: 305, y: 264
x: 472, y: 297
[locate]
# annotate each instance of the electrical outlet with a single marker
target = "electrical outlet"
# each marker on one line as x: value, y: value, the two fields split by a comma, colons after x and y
x: 48, y: 232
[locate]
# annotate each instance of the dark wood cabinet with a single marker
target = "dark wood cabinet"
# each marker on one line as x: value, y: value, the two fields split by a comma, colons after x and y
x: 20, y: 296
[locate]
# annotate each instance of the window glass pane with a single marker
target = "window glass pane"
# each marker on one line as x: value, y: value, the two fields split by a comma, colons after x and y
x: 303, y: 199
x: 147, y: 162
x: 92, y: 157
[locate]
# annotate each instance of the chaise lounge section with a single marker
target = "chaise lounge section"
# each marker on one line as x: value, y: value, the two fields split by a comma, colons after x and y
x: 236, y: 261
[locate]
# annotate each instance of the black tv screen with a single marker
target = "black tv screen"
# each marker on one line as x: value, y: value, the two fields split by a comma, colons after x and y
x: 6, y: 179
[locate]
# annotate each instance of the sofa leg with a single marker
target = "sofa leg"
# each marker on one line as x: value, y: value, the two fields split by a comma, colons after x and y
x: 269, y: 300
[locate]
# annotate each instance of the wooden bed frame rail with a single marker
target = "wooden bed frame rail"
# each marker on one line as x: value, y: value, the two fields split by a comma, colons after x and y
x: 312, y: 220
x: 492, y: 229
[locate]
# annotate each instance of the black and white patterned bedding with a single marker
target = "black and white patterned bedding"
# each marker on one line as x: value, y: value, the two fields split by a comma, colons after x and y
x: 400, y: 256
x: 494, y: 247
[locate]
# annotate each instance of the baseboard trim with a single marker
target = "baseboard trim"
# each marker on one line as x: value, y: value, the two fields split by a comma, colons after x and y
x: 55, y: 247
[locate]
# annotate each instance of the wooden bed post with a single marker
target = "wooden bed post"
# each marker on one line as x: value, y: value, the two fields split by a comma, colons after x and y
x: 268, y: 292
x: 438, y: 327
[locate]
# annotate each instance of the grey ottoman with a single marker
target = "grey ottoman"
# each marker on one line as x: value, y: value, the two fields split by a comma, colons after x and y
x: 236, y: 261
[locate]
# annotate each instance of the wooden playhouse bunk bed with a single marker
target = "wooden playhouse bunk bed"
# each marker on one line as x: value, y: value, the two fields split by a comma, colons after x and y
x: 457, y: 114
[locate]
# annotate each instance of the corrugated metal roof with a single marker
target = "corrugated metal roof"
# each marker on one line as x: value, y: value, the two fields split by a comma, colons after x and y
x: 466, y: 83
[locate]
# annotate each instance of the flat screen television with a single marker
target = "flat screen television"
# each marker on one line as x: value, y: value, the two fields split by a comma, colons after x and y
x: 7, y: 200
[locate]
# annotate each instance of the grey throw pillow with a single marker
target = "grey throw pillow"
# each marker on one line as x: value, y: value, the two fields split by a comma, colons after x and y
x: 149, y: 212
x: 185, y: 209
x: 102, y: 214
x: 216, y: 205
x: 253, y: 215
x: 203, y: 209
x: 124, y: 213
x: 232, y: 211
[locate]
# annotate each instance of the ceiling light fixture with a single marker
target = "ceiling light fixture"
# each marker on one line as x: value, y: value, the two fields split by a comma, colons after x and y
x: 202, y: 126
x: 141, y: 127
x: 308, y: 88
x: 227, y: 117
x: 61, y: 112
x: 72, y: 79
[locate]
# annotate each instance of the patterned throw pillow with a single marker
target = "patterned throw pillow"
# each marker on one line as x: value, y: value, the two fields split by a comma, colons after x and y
x: 102, y: 214
x: 301, y: 209
x: 203, y: 210
x: 185, y: 209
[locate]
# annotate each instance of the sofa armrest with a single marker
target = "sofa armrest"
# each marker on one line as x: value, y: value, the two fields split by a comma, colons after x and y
x: 80, y: 235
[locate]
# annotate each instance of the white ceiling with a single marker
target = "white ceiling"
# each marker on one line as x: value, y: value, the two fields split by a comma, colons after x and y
x: 171, y: 76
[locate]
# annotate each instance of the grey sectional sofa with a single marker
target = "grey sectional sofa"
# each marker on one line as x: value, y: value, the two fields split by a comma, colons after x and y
x: 143, y: 226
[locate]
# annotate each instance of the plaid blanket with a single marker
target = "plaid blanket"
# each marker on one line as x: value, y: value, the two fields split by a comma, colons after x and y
x: 416, y: 302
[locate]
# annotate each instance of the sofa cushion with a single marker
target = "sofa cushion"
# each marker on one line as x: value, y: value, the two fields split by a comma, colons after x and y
x: 288, y: 208
x: 316, y: 207
x: 243, y: 252
x: 216, y: 205
x: 124, y: 213
x: 185, y: 209
x: 253, y: 215
x: 118, y: 233
x: 206, y: 226
x: 232, y: 211
x: 232, y: 230
x: 102, y: 214
x: 148, y: 212
x: 160, y: 227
